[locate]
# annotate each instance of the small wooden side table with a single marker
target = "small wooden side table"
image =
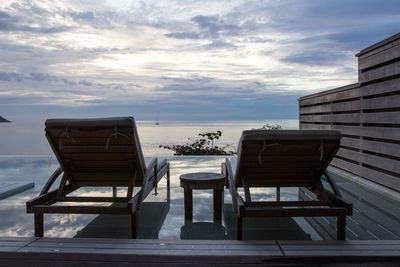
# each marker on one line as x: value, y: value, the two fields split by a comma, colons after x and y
x: 203, y: 180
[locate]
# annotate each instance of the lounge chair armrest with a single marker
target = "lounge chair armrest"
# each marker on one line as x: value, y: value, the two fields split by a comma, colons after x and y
x: 133, y: 202
x: 152, y: 168
x: 232, y: 189
x: 341, y: 202
x: 51, y: 180
x: 331, y: 182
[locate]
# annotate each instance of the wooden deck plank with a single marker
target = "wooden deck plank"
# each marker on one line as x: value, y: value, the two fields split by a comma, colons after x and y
x: 360, y: 248
x: 102, y: 252
x: 151, y: 241
x: 9, y: 188
x: 155, y: 252
x: 19, y: 239
x: 337, y: 242
x: 149, y: 246
x: 33, y: 259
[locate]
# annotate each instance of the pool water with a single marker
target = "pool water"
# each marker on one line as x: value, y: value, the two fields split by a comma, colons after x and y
x: 162, y: 216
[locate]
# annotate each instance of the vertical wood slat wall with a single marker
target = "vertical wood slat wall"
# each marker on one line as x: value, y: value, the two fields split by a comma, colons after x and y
x: 367, y: 113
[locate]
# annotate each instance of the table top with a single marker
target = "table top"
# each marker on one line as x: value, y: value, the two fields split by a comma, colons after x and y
x: 202, y: 178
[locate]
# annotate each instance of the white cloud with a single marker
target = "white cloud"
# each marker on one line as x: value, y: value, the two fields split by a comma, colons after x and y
x: 113, y: 53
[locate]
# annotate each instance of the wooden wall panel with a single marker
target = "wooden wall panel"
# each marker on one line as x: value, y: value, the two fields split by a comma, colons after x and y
x: 367, y: 114
x: 380, y: 57
x: 346, y: 92
x: 385, y: 102
x: 388, y: 149
x: 379, y: 73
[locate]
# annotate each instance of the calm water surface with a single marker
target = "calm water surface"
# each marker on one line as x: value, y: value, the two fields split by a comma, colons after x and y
x: 25, y: 137
x: 375, y: 216
x: 162, y: 216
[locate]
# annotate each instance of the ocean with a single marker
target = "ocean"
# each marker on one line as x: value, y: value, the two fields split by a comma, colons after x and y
x: 27, y: 137
x: 178, y: 132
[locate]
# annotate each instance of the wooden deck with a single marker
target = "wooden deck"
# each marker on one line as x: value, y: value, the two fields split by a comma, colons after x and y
x: 8, y: 189
x: 101, y: 252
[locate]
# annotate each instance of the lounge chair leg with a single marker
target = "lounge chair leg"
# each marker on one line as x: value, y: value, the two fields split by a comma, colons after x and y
x: 39, y: 224
x: 134, y: 225
x: 239, y: 228
x: 168, y: 186
x: 217, y: 194
x: 341, y: 228
x: 168, y: 177
x: 188, y: 198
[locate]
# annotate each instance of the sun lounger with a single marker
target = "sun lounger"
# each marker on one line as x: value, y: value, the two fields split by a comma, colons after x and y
x: 286, y: 158
x: 97, y: 153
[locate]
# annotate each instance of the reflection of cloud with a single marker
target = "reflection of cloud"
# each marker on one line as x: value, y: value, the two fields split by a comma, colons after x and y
x: 16, y: 222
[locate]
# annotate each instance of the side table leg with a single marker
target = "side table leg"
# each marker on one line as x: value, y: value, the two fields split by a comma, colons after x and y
x: 218, y: 203
x: 188, y: 196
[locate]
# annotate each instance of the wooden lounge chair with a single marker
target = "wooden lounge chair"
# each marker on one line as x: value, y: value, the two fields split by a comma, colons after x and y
x: 93, y: 153
x: 286, y: 158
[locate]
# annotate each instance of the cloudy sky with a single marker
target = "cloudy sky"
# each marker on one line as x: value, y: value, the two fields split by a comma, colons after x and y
x: 180, y: 60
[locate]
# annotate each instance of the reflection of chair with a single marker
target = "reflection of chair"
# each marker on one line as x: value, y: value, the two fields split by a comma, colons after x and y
x: 203, y: 230
x: 151, y: 217
x: 286, y: 159
x: 264, y: 228
x: 93, y: 153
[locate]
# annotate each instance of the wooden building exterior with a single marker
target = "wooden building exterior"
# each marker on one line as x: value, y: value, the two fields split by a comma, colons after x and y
x: 367, y: 113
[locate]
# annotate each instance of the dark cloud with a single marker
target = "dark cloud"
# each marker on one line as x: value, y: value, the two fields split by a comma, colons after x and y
x: 317, y: 57
x: 8, y: 76
x: 45, y: 77
x: 11, y: 23
x: 196, y: 79
x: 4, y: 15
x: 89, y: 16
x: 39, y: 76
x: 219, y: 44
x: 21, y: 18
x: 209, y: 27
x: 95, y: 20
x: 183, y: 35
x: 68, y: 82
x: 86, y: 83
x: 214, y: 25
x: 259, y: 40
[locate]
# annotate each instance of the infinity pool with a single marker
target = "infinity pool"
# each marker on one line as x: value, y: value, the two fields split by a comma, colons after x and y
x: 162, y: 216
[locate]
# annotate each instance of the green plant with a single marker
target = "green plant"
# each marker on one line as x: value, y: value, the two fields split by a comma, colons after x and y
x: 202, y: 146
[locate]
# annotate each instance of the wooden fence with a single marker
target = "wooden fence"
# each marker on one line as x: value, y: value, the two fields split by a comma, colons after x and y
x: 367, y: 113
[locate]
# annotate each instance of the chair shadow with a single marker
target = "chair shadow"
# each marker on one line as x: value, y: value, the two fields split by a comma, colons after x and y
x: 150, y: 220
x: 203, y: 230
x: 267, y: 228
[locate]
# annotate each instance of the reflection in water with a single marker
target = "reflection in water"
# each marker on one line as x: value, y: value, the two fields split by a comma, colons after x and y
x: 150, y: 219
x: 268, y: 228
x: 369, y: 218
x: 203, y: 230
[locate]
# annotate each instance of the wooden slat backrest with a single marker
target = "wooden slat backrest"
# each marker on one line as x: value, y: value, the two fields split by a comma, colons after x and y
x: 284, y: 158
x: 97, y: 152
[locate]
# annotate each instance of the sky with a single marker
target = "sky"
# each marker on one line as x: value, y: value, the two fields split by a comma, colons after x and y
x: 180, y: 60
